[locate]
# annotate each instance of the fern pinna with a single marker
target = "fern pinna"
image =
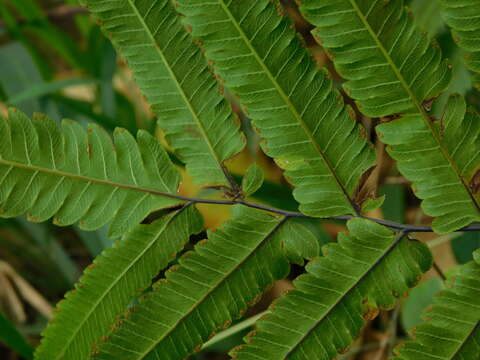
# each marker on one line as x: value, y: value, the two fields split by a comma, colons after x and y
x: 147, y: 298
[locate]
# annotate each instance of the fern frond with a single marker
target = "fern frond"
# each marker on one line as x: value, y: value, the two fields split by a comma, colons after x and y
x: 306, y: 126
x: 390, y: 66
x: 213, y: 285
x: 175, y: 78
x: 367, y: 270
x: 463, y: 16
x: 393, y: 69
x: 452, y: 329
x: 79, y: 176
x: 414, y: 148
x: 111, y: 283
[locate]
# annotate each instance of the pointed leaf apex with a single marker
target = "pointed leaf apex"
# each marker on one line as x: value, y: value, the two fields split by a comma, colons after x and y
x: 253, y: 180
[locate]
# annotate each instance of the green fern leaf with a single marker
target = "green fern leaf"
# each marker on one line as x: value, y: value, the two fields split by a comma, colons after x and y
x: 212, y: 286
x: 112, y: 282
x: 79, y: 176
x: 452, y: 329
x: 175, y: 78
x: 414, y: 147
x: 392, y: 69
x: 307, y: 128
x: 463, y: 16
x: 366, y: 270
x: 252, y: 180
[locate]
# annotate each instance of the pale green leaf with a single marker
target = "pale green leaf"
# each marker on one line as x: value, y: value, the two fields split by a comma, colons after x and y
x: 300, y: 243
x: 111, y: 283
x: 175, y: 78
x: 253, y: 179
x: 213, y: 285
x: 463, y: 16
x: 306, y: 126
x: 452, y: 329
x: 373, y: 203
x: 35, y: 91
x: 443, y: 186
x: 367, y: 270
x: 427, y: 16
x: 19, y: 72
x: 418, y: 300
x: 393, y: 69
x: 79, y: 176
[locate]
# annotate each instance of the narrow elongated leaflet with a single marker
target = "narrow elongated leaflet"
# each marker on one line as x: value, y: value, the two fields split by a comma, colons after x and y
x: 175, y: 78
x: 78, y: 176
x: 393, y: 69
x: 367, y: 270
x: 452, y: 327
x: 212, y: 286
x: 463, y: 16
x: 111, y: 283
x: 306, y: 126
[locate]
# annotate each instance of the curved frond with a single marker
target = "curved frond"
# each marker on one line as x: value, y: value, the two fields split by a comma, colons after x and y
x: 175, y: 78
x: 366, y: 270
x: 393, y: 69
x: 80, y: 176
x: 463, y: 16
x: 110, y: 284
x: 414, y: 148
x: 212, y: 286
x: 452, y: 327
x: 306, y: 126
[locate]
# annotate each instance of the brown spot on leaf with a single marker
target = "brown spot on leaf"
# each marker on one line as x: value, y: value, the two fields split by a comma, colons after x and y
x: 427, y: 104
x: 475, y: 182
x: 387, y: 119
x: 255, y: 300
x: 372, y: 313
x: 227, y: 324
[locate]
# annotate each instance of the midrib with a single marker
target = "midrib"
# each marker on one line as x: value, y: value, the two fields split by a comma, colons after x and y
x: 288, y: 102
x: 416, y: 103
x: 347, y: 292
x: 215, y: 287
x: 179, y: 87
x: 60, y: 173
x: 470, y: 336
x: 119, y: 278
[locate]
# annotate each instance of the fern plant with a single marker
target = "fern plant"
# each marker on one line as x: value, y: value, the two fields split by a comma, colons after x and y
x: 138, y: 301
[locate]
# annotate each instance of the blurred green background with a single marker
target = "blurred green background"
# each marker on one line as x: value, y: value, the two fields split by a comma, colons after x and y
x: 55, y: 60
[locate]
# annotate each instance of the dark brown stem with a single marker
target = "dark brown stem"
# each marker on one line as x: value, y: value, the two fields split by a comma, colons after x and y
x: 393, y: 225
